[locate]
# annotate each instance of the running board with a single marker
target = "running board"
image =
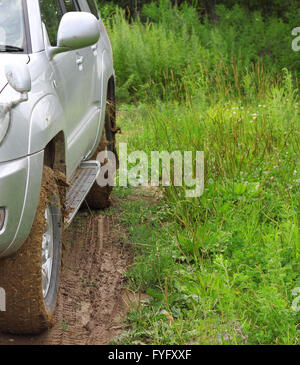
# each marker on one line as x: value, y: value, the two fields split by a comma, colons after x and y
x: 80, y: 185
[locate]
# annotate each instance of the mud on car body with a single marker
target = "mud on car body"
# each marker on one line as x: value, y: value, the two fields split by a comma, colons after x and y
x: 57, y: 110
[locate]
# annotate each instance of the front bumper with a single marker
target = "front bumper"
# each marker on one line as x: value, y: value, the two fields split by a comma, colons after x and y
x: 20, y: 184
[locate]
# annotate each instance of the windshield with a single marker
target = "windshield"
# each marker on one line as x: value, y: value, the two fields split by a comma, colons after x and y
x: 12, y: 33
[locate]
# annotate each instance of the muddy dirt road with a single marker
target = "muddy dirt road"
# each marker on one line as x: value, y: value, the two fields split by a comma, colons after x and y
x: 92, y: 303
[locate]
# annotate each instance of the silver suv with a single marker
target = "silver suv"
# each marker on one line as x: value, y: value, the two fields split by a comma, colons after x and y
x: 57, y: 111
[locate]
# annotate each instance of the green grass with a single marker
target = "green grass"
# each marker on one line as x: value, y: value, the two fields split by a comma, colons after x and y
x: 172, y: 55
x: 220, y: 268
x: 224, y: 264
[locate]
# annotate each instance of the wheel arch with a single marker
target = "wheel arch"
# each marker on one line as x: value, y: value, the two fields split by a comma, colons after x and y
x: 55, y: 153
x: 111, y: 96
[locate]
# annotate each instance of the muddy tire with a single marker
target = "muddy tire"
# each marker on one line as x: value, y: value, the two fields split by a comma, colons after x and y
x: 99, y: 197
x: 30, y: 298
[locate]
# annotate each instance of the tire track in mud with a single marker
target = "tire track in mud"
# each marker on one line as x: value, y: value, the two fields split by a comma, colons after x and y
x: 91, y: 307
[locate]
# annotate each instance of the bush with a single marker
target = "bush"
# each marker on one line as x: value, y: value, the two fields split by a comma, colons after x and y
x: 174, y: 53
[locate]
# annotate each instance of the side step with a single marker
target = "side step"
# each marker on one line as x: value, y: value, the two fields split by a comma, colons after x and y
x: 81, y: 183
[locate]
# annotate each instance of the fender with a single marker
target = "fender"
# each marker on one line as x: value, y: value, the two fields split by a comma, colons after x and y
x: 47, y: 120
x: 26, y: 190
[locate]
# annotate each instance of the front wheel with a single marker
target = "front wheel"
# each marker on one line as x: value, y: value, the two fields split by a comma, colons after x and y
x: 30, y: 278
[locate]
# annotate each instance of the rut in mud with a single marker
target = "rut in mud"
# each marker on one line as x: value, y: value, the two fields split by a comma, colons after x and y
x: 92, y: 301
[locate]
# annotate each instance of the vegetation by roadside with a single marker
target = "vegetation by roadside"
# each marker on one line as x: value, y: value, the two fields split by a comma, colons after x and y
x: 220, y: 268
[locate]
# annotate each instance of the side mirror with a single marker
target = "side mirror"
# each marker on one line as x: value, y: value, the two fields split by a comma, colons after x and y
x: 76, y: 30
x: 18, y: 77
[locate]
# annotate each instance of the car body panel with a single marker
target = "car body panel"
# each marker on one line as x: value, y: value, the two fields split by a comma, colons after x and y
x: 35, y: 26
x: 63, y: 100
x: 20, y: 183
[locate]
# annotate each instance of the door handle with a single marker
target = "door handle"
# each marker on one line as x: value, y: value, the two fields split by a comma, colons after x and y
x: 94, y: 49
x: 79, y: 62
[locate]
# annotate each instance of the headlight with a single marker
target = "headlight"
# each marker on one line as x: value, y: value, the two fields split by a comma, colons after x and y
x: 4, y: 120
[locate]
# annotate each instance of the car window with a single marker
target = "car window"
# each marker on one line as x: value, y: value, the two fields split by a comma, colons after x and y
x: 88, y: 6
x: 12, y: 32
x: 93, y: 7
x: 51, y: 15
x: 69, y: 4
x: 83, y: 6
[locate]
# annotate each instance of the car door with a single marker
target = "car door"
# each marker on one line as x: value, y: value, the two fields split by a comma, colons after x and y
x: 85, y: 130
x: 96, y: 54
x: 71, y: 73
x: 93, y: 57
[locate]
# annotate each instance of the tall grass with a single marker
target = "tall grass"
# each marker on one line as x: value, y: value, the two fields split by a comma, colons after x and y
x: 223, y: 267
x: 220, y: 268
x: 172, y: 53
